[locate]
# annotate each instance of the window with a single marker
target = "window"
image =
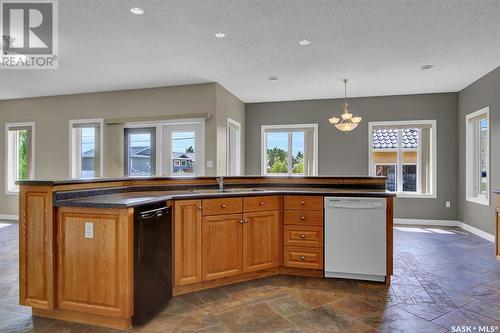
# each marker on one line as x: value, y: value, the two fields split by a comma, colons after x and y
x: 233, y: 147
x: 404, y: 152
x: 290, y: 150
x: 140, y: 151
x: 477, y: 156
x: 166, y: 148
x: 20, y: 143
x: 86, y: 148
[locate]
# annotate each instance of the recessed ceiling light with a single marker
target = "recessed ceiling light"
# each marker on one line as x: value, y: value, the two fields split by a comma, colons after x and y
x: 425, y: 67
x: 137, y: 10
x: 220, y: 35
x: 304, y: 42
x: 273, y: 78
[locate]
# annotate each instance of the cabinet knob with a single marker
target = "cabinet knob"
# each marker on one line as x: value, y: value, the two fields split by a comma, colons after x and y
x: 199, y: 207
x: 302, y: 218
x: 241, y: 221
x: 223, y: 206
x: 246, y: 221
x: 302, y: 236
x: 302, y: 258
x: 261, y: 203
x: 302, y: 202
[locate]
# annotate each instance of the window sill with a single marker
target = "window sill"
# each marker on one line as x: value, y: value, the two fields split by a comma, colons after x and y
x: 416, y: 195
x: 479, y: 201
x: 11, y: 193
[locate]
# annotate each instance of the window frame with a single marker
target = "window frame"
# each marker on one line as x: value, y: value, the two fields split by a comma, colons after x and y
x: 101, y: 145
x: 288, y: 128
x: 235, y: 124
x: 470, y: 149
x: 162, y: 151
x: 8, y: 163
x: 433, y: 147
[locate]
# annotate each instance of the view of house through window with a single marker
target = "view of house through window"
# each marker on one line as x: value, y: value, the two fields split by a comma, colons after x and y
x: 19, y: 153
x: 477, y: 151
x: 289, y: 150
x: 140, y: 151
x: 403, y: 152
x: 85, y: 148
x: 183, y: 153
x: 168, y: 149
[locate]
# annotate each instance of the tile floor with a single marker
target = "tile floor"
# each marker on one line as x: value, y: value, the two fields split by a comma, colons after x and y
x: 443, y: 277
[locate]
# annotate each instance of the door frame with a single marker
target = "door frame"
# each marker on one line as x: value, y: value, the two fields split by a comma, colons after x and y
x: 231, y: 122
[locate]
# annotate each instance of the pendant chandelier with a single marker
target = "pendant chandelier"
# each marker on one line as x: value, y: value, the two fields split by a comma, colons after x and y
x: 346, y: 122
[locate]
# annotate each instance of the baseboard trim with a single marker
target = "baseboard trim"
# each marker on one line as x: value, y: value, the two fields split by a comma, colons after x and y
x: 9, y: 217
x: 448, y: 223
x: 477, y: 232
x: 441, y: 223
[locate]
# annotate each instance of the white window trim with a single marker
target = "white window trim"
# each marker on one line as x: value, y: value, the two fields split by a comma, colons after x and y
x: 33, y: 157
x: 481, y: 200
x: 263, y: 130
x: 159, y: 125
x: 101, y: 144
x: 232, y: 122
x: 433, y: 147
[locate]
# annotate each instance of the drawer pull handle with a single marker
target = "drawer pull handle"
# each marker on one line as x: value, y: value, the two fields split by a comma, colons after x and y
x: 223, y: 206
x: 302, y: 258
x: 302, y: 218
x: 302, y: 202
x: 261, y: 203
x: 302, y: 236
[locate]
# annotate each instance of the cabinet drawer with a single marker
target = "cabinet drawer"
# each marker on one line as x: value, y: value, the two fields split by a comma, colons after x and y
x: 260, y: 203
x: 303, y: 257
x: 306, y: 217
x: 304, y: 202
x: 304, y: 236
x: 222, y: 206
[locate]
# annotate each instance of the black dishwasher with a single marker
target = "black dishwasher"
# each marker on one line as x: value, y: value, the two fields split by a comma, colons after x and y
x: 152, y: 261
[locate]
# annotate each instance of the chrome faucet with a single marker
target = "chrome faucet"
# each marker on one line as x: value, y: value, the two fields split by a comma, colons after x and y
x: 220, y: 181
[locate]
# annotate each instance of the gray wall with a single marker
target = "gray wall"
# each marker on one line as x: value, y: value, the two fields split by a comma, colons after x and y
x: 484, y: 92
x: 347, y: 154
x: 52, y: 115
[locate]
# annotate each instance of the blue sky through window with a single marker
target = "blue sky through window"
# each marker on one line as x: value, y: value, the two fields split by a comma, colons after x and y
x: 280, y: 140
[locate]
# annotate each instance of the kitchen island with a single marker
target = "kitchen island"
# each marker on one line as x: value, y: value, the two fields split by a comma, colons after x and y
x: 77, y: 236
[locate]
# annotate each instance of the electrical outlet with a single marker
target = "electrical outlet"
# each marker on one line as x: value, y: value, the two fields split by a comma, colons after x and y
x: 448, y: 204
x: 89, y: 230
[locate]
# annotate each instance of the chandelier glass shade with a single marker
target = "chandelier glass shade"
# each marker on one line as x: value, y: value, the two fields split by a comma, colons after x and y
x: 346, y: 122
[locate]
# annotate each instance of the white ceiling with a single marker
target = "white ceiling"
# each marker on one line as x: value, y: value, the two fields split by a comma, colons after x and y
x: 379, y: 45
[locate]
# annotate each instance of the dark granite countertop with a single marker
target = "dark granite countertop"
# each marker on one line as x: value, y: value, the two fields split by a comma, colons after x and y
x: 496, y: 191
x: 54, y: 182
x: 134, y: 199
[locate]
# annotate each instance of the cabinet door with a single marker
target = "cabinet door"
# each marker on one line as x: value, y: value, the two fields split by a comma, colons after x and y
x: 95, y: 261
x: 187, y: 242
x: 221, y: 239
x: 260, y: 240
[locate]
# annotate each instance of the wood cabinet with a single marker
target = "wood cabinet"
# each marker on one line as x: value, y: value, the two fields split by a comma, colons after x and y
x: 303, y: 257
x: 303, y: 232
x: 303, y: 236
x: 222, y: 241
x: 261, y: 203
x: 219, y: 206
x: 187, y: 242
x: 36, y: 250
x: 304, y: 202
x: 95, y: 271
x: 260, y: 240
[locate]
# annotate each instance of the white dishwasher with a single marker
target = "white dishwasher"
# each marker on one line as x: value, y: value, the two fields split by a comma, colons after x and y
x: 355, y: 238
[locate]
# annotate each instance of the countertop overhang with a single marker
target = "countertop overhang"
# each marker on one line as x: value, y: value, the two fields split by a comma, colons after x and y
x: 135, y: 199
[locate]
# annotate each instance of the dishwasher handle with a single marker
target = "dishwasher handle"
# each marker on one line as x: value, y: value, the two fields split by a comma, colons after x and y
x: 365, y: 203
x: 159, y: 212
